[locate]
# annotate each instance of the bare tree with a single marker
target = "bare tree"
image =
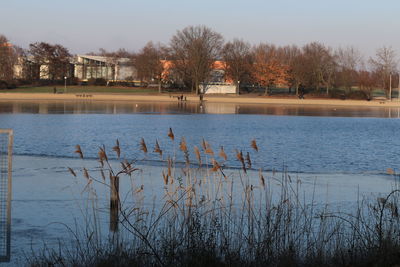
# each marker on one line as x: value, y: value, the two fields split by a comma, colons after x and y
x: 148, y: 63
x: 53, y: 59
x: 319, y: 65
x: 8, y: 59
x: 349, y: 61
x: 194, y: 50
x: 238, y: 60
x: 292, y: 57
x: 385, y: 63
x: 367, y: 81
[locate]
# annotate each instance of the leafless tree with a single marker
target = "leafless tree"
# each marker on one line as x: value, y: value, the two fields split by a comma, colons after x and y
x: 292, y: 56
x: 53, y: 59
x: 194, y: 49
x: 349, y: 61
x: 8, y: 59
x: 367, y: 81
x: 148, y: 63
x: 319, y: 65
x: 385, y: 63
x: 238, y: 60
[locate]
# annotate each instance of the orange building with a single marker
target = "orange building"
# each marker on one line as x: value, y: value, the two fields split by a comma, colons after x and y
x: 217, y: 74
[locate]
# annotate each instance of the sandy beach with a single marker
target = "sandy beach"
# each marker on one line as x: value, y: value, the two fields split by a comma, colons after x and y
x: 193, y: 98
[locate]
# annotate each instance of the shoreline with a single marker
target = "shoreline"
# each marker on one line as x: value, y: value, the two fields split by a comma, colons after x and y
x: 231, y: 99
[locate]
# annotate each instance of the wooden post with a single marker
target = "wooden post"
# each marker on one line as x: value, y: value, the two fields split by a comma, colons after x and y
x: 114, y: 203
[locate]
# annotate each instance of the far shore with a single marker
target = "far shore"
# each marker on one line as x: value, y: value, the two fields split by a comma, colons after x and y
x: 172, y: 97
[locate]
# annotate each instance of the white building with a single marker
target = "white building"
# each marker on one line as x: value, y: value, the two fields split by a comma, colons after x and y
x: 108, y: 68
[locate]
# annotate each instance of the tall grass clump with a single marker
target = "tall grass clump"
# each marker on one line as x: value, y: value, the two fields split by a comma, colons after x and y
x: 213, y: 215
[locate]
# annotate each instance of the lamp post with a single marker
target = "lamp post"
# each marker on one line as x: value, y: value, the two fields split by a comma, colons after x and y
x: 238, y: 87
x: 398, y: 89
x: 65, y: 84
x: 390, y: 86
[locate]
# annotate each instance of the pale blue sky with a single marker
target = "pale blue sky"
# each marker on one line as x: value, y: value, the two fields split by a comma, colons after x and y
x: 87, y: 25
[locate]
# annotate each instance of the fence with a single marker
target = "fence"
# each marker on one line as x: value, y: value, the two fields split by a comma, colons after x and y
x: 6, y: 142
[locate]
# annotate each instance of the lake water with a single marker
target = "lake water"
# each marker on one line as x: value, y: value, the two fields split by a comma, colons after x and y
x: 343, y: 140
x: 348, y: 149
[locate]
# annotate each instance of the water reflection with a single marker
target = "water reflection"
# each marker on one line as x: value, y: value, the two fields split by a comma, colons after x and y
x: 122, y: 107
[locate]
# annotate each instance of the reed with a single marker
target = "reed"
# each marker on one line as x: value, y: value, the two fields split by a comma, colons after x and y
x: 213, y: 216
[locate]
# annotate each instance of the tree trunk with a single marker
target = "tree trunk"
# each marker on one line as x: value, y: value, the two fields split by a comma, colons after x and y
x: 266, y: 91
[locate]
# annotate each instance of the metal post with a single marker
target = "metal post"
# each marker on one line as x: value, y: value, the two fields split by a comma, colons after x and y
x: 390, y: 86
x: 398, y: 89
x: 65, y: 84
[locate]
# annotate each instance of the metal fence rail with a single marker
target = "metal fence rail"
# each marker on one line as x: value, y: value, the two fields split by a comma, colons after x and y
x: 6, y: 142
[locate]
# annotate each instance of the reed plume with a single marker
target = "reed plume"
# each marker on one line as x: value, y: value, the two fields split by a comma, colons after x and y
x: 143, y: 146
x: 204, y: 144
x: 262, y: 180
x: 171, y: 134
x: 222, y: 153
x: 216, y: 166
x: 79, y: 151
x: 248, y: 160
x: 254, y: 145
x: 197, y: 153
x: 157, y: 149
x: 165, y: 177
x: 239, y: 156
x: 117, y: 149
x: 182, y: 145
x: 102, y: 155
x: 207, y: 148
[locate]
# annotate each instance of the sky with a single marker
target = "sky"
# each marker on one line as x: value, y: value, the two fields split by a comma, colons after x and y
x: 87, y: 25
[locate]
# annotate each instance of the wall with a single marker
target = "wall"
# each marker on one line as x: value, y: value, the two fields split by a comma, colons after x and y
x: 218, y: 89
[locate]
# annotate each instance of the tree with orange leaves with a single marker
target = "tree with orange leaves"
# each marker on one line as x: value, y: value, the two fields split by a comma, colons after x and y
x: 268, y: 70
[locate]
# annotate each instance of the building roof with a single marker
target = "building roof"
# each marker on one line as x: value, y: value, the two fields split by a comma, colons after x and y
x: 122, y: 60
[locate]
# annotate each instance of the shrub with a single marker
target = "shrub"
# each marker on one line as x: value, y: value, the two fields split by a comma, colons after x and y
x: 336, y: 93
x: 358, y: 95
x: 97, y: 81
x: 3, y: 84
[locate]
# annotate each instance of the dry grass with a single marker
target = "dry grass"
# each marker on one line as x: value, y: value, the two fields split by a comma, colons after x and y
x: 209, y: 218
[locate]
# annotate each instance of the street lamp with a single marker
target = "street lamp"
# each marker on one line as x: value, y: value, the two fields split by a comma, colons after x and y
x: 65, y: 84
x: 398, y: 89
x: 390, y: 86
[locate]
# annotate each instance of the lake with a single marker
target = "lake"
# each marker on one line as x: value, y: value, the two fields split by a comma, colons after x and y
x: 348, y: 149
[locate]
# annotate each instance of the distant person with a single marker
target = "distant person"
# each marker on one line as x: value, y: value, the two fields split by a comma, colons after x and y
x: 55, y: 90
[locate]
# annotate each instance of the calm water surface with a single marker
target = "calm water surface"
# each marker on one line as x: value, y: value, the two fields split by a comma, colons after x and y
x: 301, y: 139
x: 348, y: 149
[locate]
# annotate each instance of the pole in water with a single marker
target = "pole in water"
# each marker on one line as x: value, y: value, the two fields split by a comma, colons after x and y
x: 114, y: 203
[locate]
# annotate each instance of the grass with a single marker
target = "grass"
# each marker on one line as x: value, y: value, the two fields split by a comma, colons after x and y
x: 209, y: 217
x: 83, y: 89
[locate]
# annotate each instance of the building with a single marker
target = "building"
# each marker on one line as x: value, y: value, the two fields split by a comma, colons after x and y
x: 108, y: 68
